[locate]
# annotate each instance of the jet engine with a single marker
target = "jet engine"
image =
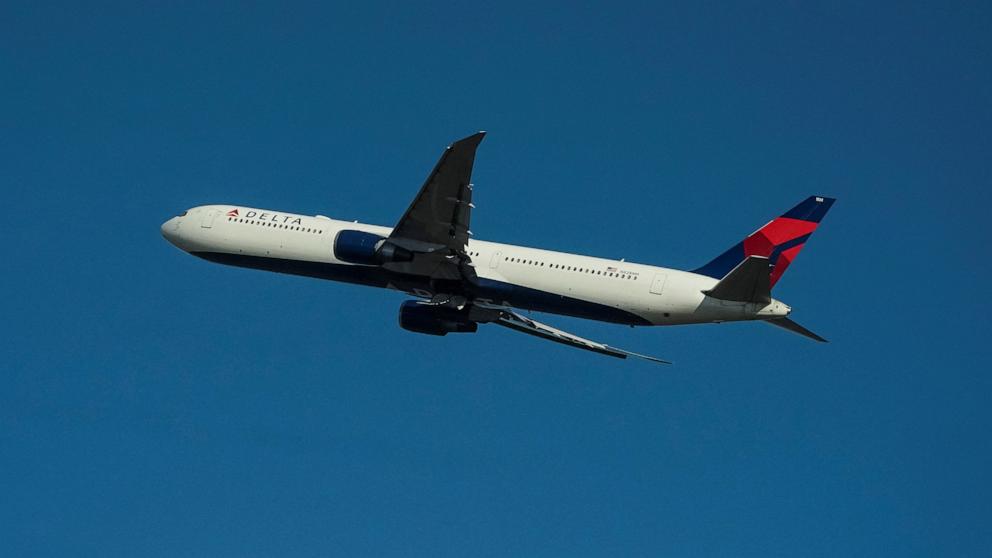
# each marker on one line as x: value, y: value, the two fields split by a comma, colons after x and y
x: 365, y: 248
x: 435, y: 320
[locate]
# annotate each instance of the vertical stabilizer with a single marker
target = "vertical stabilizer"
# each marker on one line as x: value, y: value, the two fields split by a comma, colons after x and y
x: 779, y: 241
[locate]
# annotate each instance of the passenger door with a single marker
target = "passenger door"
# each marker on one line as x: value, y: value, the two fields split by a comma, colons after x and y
x: 208, y: 218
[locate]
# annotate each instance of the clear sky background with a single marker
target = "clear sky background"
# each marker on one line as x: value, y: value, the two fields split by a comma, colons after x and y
x: 153, y: 404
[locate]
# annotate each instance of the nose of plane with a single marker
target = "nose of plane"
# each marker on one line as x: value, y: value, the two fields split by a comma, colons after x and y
x: 170, y: 230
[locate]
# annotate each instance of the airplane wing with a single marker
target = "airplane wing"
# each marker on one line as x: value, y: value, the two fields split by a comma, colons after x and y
x: 435, y: 228
x: 526, y: 325
x: 440, y: 213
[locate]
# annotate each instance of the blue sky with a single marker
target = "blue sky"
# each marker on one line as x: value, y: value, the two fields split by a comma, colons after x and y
x: 153, y: 404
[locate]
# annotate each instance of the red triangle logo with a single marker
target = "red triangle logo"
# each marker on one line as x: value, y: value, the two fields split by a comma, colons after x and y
x: 232, y: 213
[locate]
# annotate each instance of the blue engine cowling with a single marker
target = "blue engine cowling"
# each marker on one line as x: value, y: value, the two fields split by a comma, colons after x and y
x: 434, y: 320
x: 360, y: 247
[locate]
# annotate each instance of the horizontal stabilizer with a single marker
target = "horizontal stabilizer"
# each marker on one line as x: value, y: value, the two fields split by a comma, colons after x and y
x: 748, y: 282
x: 786, y: 323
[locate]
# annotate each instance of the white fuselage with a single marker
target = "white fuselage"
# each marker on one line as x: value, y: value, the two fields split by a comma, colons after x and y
x: 517, y: 276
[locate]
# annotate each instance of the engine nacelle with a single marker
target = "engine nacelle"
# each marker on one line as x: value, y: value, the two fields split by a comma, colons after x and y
x: 435, y: 320
x: 365, y: 248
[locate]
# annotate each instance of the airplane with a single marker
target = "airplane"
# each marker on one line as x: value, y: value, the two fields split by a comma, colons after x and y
x: 460, y: 282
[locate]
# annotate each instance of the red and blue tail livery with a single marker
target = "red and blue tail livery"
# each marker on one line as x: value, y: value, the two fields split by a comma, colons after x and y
x: 779, y: 241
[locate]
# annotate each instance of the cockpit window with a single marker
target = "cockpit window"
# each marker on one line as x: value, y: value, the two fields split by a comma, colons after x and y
x: 183, y: 214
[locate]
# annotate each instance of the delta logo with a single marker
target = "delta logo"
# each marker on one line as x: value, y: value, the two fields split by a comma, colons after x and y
x: 266, y: 216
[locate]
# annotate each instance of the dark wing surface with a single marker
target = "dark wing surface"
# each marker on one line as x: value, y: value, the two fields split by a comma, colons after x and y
x: 441, y: 212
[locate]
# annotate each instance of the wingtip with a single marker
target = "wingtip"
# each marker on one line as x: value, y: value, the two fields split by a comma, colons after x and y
x: 472, y: 141
x: 648, y: 358
x: 475, y: 138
